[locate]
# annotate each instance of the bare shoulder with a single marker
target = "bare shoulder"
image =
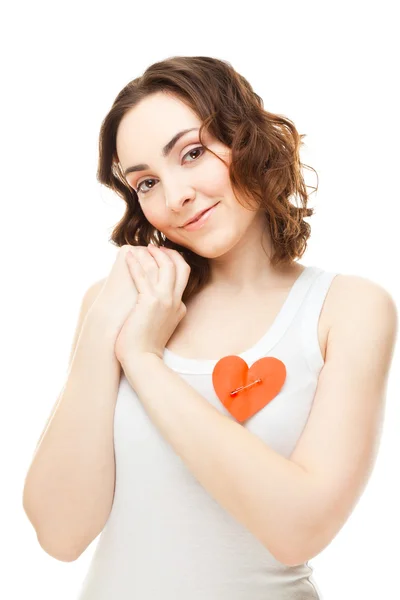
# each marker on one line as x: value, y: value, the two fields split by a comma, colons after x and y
x: 93, y: 291
x: 87, y: 301
x: 97, y: 285
x: 353, y: 296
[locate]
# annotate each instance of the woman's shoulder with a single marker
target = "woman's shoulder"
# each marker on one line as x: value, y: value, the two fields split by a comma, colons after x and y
x: 348, y: 292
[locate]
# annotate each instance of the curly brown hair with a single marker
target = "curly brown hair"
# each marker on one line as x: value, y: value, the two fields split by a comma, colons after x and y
x: 265, y: 169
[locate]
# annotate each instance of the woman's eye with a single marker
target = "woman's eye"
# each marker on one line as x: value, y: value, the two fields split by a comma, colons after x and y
x: 139, y: 187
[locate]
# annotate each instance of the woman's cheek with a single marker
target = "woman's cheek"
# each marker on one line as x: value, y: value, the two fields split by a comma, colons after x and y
x: 151, y: 216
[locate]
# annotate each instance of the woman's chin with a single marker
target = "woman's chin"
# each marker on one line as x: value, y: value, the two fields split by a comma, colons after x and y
x: 212, y: 250
x: 209, y: 247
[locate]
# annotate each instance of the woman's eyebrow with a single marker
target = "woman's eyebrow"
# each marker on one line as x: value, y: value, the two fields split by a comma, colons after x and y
x: 165, y: 151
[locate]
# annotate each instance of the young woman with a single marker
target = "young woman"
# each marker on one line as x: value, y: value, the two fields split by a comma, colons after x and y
x: 225, y: 400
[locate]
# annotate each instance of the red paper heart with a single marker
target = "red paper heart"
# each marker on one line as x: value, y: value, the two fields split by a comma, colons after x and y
x: 232, y: 372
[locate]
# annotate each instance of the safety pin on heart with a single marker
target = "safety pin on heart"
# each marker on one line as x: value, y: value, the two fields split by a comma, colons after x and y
x: 243, y: 387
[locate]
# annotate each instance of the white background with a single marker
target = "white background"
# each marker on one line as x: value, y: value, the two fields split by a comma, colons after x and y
x: 330, y: 67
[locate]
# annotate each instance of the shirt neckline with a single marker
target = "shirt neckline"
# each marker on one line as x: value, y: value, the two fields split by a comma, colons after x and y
x: 264, y: 344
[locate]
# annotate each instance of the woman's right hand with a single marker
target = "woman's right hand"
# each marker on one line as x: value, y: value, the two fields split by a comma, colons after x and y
x: 117, y: 297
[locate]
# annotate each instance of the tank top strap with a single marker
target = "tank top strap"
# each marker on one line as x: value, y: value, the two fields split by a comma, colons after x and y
x: 316, y: 295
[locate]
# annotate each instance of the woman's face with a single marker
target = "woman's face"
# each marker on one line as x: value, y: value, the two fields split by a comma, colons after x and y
x: 182, y: 181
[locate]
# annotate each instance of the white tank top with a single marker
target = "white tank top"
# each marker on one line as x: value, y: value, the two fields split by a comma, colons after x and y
x: 166, y: 538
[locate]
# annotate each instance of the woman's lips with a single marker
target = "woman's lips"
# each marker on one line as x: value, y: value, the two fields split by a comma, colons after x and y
x: 202, y: 220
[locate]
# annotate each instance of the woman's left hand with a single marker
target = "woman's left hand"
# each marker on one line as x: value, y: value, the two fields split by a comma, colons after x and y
x: 160, y: 277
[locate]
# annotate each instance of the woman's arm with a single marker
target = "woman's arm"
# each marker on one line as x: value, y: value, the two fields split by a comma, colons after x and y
x: 69, y: 487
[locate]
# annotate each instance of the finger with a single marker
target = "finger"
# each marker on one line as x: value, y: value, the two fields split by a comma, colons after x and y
x: 182, y: 272
x: 138, y: 274
x: 166, y: 273
x: 148, y: 263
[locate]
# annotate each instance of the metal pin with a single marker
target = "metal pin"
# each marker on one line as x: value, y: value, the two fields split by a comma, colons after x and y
x: 243, y: 387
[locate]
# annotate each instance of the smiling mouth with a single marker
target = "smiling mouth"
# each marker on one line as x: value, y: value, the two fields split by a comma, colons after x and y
x: 200, y: 216
x: 201, y: 221
x: 197, y: 218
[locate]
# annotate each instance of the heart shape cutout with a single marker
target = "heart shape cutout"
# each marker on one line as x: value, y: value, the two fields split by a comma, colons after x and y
x: 262, y: 382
